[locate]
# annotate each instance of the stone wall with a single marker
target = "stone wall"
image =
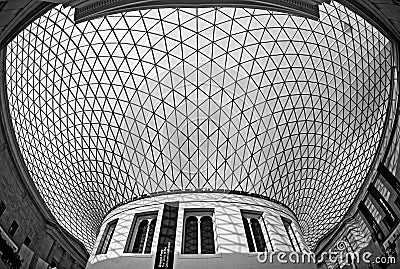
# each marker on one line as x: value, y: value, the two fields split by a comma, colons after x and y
x: 29, y: 211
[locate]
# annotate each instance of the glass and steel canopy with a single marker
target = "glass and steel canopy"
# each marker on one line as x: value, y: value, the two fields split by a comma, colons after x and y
x: 198, y: 98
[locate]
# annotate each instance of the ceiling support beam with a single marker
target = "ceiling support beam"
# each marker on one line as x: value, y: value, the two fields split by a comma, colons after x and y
x: 86, y: 10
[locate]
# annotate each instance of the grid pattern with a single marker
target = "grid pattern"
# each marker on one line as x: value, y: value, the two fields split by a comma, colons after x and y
x: 209, y: 98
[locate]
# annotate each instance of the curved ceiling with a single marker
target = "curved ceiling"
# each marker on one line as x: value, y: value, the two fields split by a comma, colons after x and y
x: 210, y: 98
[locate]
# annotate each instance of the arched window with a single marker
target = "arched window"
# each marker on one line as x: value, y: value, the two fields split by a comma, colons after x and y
x: 106, y: 238
x: 191, y: 236
x: 287, y: 223
x: 207, y: 235
x: 253, y: 223
x: 140, y: 237
x: 198, y: 235
x: 248, y: 234
x: 150, y: 236
x: 258, y: 235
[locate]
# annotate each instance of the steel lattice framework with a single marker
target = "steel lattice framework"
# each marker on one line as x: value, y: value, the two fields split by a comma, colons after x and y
x: 198, y: 98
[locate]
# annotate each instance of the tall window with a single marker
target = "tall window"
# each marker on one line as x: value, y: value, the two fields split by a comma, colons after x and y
x: 382, y: 188
x: 142, y: 233
x: 252, y: 222
x: 291, y: 234
x: 27, y: 241
x: 106, y: 238
x: 374, y: 211
x: 13, y: 228
x: 198, y: 236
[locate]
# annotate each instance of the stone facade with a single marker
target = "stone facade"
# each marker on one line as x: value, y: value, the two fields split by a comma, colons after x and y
x: 48, y: 241
x: 21, y: 208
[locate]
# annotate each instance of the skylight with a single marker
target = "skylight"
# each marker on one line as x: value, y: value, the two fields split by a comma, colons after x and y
x: 210, y: 98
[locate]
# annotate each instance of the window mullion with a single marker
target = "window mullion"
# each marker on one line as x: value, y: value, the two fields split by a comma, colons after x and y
x: 269, y: 238
x: 295, y: 238
x: 198, y: 235
x: 146, y: 237
x: 252, y: 235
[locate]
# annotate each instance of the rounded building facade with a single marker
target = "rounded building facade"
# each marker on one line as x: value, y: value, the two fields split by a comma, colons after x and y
x: 196, y: 230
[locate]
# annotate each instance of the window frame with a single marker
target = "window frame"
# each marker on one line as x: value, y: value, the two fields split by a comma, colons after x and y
x: 373, y: 209
x: 104, y: 244
x: 139, y: 218
x: 27, y: 241
x: 13, y: 228
x: 288, y: 224
x: 259, y: 216
x: 199, y: 213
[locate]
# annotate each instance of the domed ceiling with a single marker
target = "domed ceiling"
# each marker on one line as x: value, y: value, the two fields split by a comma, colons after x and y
x: 108, y: 110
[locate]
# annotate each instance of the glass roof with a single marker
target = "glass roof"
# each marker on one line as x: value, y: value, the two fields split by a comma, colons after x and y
x: 198, y: 98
